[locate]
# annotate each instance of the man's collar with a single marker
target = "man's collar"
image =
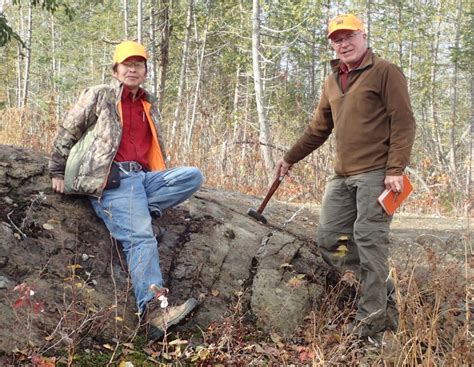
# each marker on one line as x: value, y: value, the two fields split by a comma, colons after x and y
x: 140, y: 94
x: 117, y: 85
x: 367, y: 60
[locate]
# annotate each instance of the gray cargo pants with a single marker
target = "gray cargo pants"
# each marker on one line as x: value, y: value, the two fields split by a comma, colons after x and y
x: 353, y: 235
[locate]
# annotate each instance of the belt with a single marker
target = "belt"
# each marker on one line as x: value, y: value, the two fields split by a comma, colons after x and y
x: 130, y: 166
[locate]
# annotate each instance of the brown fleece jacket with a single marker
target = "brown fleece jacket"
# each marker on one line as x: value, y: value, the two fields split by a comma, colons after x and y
x: 373, y: 121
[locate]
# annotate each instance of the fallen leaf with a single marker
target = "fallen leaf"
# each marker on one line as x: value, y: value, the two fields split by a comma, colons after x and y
x: 277, y: 340
x: 295, y: 282
x: 107, y: 346
x: 215, y: 292
x: 341, y: 251
x: 48, y: 227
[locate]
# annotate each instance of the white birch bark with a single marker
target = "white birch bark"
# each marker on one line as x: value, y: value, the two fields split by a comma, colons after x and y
x: 182, y: 73
x: 164, y: 51
x: 139, y: 20
x: 125, y: 18
x: 197, y: 88
x: 259, y: 95
x: 26, y: 70
x: 454, y: 100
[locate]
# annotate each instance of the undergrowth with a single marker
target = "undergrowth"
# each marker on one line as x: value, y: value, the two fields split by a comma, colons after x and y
x: 433, y: 331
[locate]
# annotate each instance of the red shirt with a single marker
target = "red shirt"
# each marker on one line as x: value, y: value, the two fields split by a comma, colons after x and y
x: 136, y: 134
x: 344, y: 72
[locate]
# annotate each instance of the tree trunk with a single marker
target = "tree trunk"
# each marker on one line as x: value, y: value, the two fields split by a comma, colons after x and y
x: 454, y: 100
x: 153, y: 57
x: 54, y: 72
x: 197, y: 89
x: 235, y: 105
x: 434, y: 110
x: 182, y: 74
x: 125, y: 18
x: 399, y: 34
x: 26, y: 70
x: 259, y: 95
x: 470, y: 173
x: 369, y: 20
x: 164, y: 51
x: 139, y: 20
x: 19, y: 61
x: 410, y: 67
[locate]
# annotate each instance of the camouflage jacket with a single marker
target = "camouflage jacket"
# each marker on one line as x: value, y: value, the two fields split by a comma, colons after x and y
x: 89, y: 137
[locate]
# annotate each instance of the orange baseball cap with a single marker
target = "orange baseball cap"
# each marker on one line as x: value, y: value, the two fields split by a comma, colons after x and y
x: 346, y: 22
x: 128, y: 49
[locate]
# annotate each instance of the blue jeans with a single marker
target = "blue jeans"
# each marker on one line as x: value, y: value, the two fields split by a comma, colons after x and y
x: 126, y: 213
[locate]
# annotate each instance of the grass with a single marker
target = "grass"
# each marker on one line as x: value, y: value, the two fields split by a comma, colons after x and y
x: 433, y: 331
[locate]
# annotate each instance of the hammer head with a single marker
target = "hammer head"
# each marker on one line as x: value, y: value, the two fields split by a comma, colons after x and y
x: 256, y: 215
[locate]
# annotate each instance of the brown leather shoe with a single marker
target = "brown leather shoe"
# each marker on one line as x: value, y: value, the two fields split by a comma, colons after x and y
x: 160, y: 319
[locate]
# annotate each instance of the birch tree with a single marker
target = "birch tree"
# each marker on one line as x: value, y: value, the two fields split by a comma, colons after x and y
x: 259, y: 93
x: 139, y: 20
x: 165, y: 32
x: 197, y: 89
x: 182, y: 73
x: 26, y: 69
x: 125, y: 18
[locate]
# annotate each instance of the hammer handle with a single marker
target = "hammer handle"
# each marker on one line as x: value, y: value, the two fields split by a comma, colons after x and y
x: 272, y: 189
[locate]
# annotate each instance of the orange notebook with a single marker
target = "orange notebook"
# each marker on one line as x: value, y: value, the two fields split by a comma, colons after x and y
x: 391, y: 201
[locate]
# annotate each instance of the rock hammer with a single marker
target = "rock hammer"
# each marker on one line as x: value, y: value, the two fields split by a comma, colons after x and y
x: 257, y: 214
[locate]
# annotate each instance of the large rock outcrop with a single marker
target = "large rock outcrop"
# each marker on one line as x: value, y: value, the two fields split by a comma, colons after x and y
x: 55, y: 246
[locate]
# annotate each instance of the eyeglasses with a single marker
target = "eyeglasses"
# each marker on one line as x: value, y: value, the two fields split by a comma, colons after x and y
x: 338, y: 42
x: 137, y: 65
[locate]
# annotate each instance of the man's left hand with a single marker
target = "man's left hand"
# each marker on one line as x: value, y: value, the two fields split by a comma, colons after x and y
x: 394, y: 183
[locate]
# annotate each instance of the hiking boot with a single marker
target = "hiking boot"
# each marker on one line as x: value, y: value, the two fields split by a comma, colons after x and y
x: 391, y: 318
x: 363, y: 330
x: 160, y: 319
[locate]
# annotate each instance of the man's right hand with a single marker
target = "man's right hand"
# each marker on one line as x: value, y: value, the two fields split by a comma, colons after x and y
x: 58, y: 184
x: 282, y: 168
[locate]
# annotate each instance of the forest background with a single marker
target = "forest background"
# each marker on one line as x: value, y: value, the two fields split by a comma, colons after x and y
x: 238, y: 81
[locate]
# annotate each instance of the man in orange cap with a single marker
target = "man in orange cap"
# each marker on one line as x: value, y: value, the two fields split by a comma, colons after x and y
x: 110, y: 148
x: 365, y: 103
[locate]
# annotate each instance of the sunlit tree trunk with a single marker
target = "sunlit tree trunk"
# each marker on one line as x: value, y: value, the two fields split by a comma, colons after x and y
x: 259, y: 96
x: 369, y: 20
x: 26, y: 70
x: 454, y: 99
x: 153, y: 57
x: 410, y: 67
x: 197, y: 89
x: 19, y: 61
x: 235, y: 104
x: 139, y: 20
x: 125, y: 18
x: 165, y: 29
x: 470, y: 174
x: 182, y: 73
x: 399, y: 33
x: 55, y: 67
x: 434, y: 100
